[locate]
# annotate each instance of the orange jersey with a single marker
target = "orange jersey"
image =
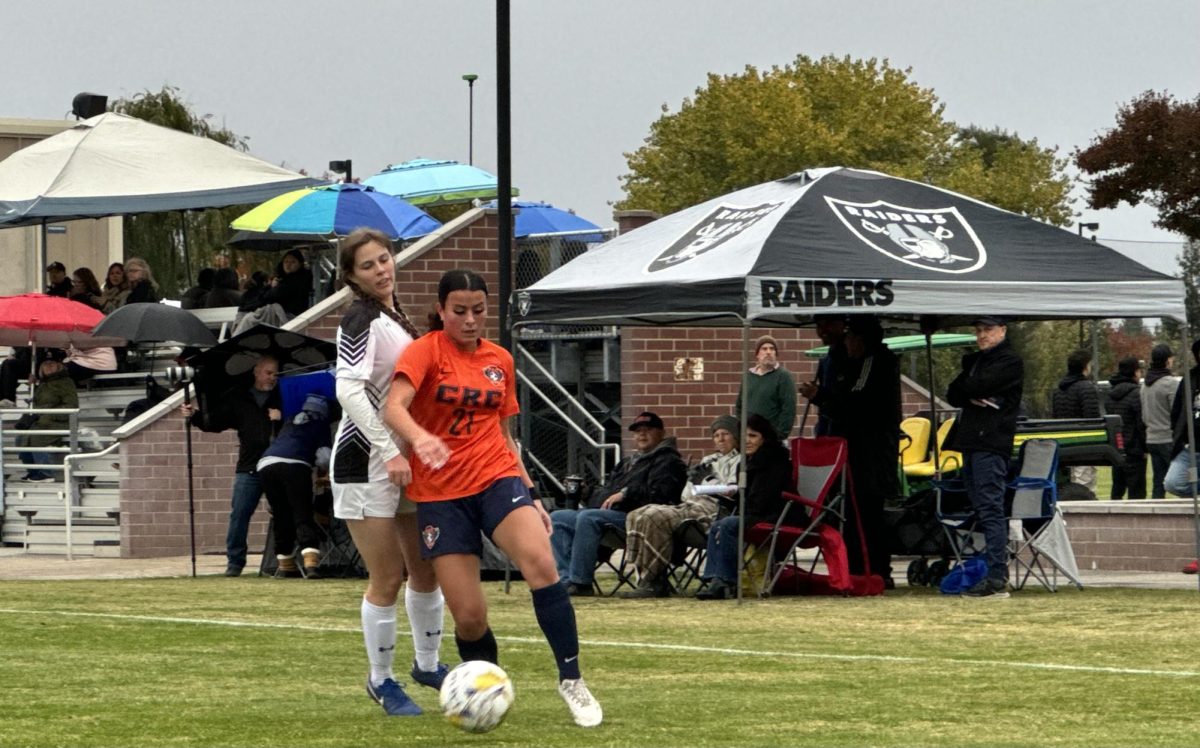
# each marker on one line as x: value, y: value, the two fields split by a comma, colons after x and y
x: 461, y: 398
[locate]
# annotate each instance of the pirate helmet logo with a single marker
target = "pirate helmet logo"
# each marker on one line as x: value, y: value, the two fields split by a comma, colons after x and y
x: 938, y: 239
x: 524, y: 302
x: 720, y: 225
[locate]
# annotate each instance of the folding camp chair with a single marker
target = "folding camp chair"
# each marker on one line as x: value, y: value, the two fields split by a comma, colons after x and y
x: 689, y: 546
x: 1037, y: 535
x: 612, y: 546
x: 818, y: 509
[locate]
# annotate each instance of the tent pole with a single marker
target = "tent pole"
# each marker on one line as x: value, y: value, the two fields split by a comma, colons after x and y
x: 929, y: 327
x: 42, y: 256
x: 187, y: 259
x: 742, y: 416
x: 1189, y: 406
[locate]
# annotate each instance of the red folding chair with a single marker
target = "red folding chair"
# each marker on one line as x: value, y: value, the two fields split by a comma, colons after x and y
x: 813, y: 517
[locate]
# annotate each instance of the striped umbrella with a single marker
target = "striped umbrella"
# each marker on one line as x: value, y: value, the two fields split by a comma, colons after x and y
x: 336, y: 210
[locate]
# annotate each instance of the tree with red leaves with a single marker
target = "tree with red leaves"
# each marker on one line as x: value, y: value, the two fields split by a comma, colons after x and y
x: 1152, y: 156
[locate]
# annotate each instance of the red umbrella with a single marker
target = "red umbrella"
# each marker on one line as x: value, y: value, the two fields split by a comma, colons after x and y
x: 37, y: 319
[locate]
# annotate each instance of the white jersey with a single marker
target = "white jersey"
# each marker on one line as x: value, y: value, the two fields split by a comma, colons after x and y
x: 368, y: 344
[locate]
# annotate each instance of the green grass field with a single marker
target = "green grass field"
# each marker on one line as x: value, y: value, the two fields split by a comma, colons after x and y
x: 261, y: 662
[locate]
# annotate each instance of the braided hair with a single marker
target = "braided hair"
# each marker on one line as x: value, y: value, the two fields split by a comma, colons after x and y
x: 347, y: 249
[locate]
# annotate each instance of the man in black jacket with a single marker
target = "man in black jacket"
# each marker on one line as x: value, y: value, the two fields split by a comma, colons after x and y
x: 1076, y: 396
x: 1124, y: 399
x: 989, y: 393
x: 256, y: 414
x: 655, y: 474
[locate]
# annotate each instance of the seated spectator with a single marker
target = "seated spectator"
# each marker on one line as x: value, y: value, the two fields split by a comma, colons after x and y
x: 58, y: 284
x: 654, y: 474
x: 255, y: 288
x: 16, y: 367
x: 649, y: 531
x: 286, y: 472
x: 86, y: 289
x: 54, y: 390
x: 224, y: 291
x: 768, y: 474
x: 83, y: 364
x: 116, y: 288
x: 196, y: 296
x: 142, y: 287
x: 291, y: 287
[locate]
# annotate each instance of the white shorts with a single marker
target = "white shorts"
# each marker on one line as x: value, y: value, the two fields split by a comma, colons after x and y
x: 373, y: 499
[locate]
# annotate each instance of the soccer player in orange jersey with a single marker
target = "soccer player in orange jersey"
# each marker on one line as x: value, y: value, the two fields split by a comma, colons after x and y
x: 452, y: 400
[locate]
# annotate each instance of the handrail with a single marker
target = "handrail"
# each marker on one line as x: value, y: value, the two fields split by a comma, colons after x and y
x: 570, y: 398
x: 600, y: 446
x: 69, y: 492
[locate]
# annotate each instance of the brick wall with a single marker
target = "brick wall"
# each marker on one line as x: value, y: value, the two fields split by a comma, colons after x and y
x: 1154, y: 535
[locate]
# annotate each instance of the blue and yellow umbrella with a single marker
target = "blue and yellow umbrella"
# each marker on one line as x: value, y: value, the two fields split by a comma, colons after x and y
x: 336, y: 210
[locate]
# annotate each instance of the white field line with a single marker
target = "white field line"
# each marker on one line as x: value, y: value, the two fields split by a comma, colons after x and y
x: 964, y: 661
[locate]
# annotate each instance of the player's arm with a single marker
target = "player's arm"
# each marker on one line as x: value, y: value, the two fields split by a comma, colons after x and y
x: 431, y: 450
x: 506, y: 429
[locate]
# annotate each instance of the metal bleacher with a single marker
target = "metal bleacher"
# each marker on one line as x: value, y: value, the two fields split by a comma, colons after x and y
x: 79, y: 512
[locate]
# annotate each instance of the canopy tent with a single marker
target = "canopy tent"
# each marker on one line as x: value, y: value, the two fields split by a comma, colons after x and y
x: 112, y: 165
x: 846, y: 241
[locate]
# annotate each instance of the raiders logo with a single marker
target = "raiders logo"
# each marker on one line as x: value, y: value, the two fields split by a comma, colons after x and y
x: 718, y: 227
x: 494, y: 374
x: 524, y: 302
x: 430, y: 535
x: 937, y: 239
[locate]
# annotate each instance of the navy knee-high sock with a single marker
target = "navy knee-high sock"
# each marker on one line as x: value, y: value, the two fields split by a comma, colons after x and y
x: 552, y: 607
x: 483, y: 648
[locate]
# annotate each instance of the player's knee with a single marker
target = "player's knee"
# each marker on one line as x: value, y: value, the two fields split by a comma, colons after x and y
x: 471, y: 623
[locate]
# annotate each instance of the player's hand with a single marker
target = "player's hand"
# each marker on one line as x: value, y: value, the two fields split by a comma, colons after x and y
x: 431, y: 451
x: 399, y: 471
x: 274, y: 414
x: 612, y: 501
x: 541, y: 510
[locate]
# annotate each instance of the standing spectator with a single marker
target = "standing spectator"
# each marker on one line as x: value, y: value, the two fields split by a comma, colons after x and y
x: 116, y: 288
x: 771, y: 391
x: 654, y: 474
x: 291, y: 288
x: 831, y: 329
x: 768, y: 473
x: 224, y: 291
x: 86, y: 289
x: 1125, y: 400
x: 195, y: 297
x: 58, y: 284
x: 142, y: 288
x: 54, y: 390
x: 1177, y: 481
x: 286, y: 472
x: 255, y: 412
x: 1158, y: 397
x: 1076, y: 396
x: 649, y: 531
x: 988, y: 390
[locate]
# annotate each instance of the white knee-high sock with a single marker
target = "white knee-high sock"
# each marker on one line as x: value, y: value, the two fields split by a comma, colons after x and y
x: 379, y: 635
x: 425, y: 615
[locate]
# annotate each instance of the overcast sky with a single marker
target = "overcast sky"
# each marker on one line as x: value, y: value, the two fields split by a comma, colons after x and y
x: 381, y: 82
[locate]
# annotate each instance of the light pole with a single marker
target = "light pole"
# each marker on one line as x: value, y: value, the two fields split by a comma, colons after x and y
x: 1093, y: 227
x: 470, y: 78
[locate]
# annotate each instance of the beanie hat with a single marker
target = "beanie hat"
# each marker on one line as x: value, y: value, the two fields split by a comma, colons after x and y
x: 317, y: 405
x: 727, y: 422
x: 763, y: 341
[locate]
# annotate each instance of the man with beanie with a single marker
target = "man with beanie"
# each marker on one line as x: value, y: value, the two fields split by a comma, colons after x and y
x: 1076, y: 396
x: 650, y: 531
x: 771, y: 391
x: 1125, y: 400
x: 988, y: 390
x: 1158, y: 396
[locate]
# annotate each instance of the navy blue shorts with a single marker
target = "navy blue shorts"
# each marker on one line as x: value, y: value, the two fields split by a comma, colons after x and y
x: 454, y: 526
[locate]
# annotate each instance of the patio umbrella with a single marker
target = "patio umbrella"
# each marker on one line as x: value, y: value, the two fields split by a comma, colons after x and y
x: 336, y: 210
x: 536, y: 219
x: 423, y: 181
x: 271, y: 241
x: 156, y: 323
x: 236, y: 356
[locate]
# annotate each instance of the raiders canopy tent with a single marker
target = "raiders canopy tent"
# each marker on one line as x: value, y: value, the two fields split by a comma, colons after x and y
x: 847, y: 241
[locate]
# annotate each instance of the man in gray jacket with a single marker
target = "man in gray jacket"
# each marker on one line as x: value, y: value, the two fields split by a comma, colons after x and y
x: 1158, y: 395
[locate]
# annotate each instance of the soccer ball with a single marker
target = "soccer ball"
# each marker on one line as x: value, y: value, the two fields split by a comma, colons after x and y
x: 476, y: 696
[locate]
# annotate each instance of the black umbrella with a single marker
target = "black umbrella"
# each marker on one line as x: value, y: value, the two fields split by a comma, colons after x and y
x: 270, y: 241
x: 155, y: 323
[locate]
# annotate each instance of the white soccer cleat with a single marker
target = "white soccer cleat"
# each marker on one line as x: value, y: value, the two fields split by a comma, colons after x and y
x: 584, y: 707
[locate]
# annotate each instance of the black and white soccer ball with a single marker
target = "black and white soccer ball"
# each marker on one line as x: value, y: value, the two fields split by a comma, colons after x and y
x: 476, y: 696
